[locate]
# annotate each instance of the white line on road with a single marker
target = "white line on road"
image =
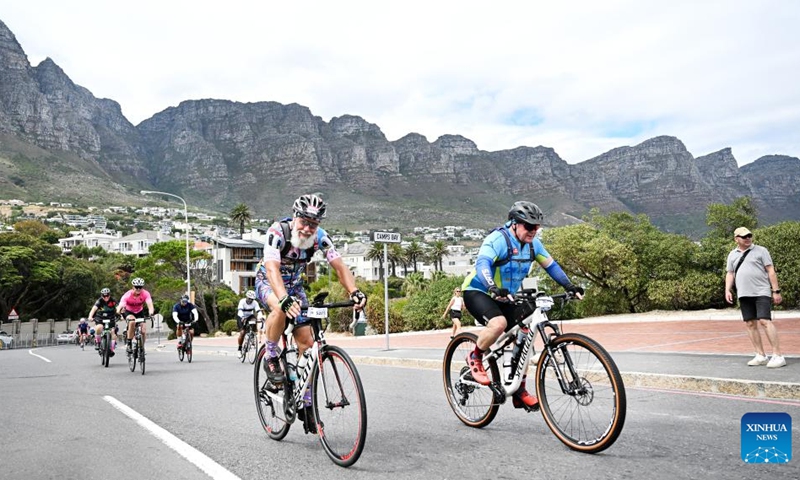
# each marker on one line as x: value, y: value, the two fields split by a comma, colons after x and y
x: 35, y: 355
x: 209, y: 466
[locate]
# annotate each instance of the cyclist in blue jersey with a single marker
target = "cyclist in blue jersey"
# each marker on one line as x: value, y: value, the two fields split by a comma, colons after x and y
x: 504, y: 260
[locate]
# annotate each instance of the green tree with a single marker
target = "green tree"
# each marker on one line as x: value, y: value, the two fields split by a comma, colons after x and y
x: 724, y: 219
x: 414, y: 283
x: 376, y: 253
x: 413, y: 252
x: 436, y: 252
x: 240, y: 215
x: 397, y: 255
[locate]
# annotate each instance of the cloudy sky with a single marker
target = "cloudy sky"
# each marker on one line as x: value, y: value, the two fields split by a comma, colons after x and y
x: 582, y: 77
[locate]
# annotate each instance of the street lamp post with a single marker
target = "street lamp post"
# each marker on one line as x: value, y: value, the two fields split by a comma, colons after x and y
x: 186, y: 220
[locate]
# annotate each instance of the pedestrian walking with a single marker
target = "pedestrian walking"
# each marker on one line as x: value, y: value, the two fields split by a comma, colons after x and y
x: 749, y: 268
x: 454, y: 307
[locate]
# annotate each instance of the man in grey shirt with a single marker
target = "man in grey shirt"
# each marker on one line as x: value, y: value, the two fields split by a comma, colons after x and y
x: 757, y: 288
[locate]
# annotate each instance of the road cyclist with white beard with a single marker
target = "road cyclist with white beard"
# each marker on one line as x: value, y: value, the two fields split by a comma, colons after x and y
x: 290, y: 245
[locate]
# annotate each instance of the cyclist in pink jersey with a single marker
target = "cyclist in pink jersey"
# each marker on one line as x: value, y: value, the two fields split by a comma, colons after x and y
x: 131, y: 306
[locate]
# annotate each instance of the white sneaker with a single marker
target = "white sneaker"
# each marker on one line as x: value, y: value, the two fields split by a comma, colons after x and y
x: 758, y: 360
x: 776, y: 361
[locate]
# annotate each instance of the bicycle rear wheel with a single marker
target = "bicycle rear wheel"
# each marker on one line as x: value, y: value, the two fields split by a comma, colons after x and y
x: 272, y: 424
x: 340, y: 407
x: 473, y: 404
x: 591, y: 414
x: 251, y: 351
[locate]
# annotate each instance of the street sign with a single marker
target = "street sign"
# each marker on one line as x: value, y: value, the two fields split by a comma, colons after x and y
x: 13, y: 315
x: 385, y: 237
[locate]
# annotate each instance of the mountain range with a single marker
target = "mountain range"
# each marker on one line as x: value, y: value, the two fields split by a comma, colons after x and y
x: 59, y: 142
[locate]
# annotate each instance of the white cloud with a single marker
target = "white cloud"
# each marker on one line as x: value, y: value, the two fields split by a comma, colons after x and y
x: 580, y: 77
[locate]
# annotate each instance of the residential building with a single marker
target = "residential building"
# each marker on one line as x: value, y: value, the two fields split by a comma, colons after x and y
x: 138, y: 243
x: 235, y: 262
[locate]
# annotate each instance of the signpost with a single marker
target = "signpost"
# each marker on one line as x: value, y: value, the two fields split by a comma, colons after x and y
x: 13, y: 315
x: 384, y: 238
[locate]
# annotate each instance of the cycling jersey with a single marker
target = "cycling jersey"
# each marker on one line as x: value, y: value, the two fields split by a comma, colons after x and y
x: 135, y: 303
x: 293, y: 265
x: 105, y: 308
x: 508, y: 275
x: 246, y: 310
x: 184, y: 312
x: 83, y: 327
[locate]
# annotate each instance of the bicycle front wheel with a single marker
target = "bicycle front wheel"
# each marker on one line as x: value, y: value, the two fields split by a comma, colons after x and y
x: 340, y: 408
x: 251, y: 351
x: 473, y: 404
x: 181, y: 352
x: 272, y: 424
x: 132, y: 360
x: 141, y: 357
x: 188, y: 348
x: 245, y: 346
x: 589, y: 414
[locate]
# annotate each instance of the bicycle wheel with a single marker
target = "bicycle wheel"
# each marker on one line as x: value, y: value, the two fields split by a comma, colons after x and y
x: 473, y: 404
x: 181, y: 352
x: 188, y: 348
x: 251, y: 351
x: 141, y: 357
x: 590, y: 415
x: 340, y: 407
x: 272, y: 424
x: 245, y: 346
x: 132, y: 359
x: 104, y: 351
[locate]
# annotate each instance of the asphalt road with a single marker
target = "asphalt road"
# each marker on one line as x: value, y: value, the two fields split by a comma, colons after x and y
x: 58, y: 419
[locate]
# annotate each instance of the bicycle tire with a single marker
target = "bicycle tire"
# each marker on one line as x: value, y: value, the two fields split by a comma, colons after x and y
x: 276, y: 428
x: 132, y: 359
x: 591, y: 419
x: 245, y: 346
x: 188, y: 351
x: 181, y: 349
x: 104, y: 351
x: 251, y: 351
x: 141, y: 357
x: 474, y: 405
x: 339, y: 405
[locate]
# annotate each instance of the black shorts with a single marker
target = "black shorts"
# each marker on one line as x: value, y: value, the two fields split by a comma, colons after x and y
x: 139, y: 314
x: 241, y: 323
x: 455, y: 314
x: 99, y: 321
x: 483, y: 308
x: 755, y: 308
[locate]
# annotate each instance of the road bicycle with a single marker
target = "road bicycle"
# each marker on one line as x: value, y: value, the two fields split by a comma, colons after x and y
x: 579, y: 387
x: 137, y: 345
x: 105, y: 341
x: 338, y: 404
x: 185, y: 343
x: 249, y: 349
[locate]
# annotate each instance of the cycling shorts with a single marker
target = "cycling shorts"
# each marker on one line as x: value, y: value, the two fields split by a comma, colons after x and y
x: 484, y: 308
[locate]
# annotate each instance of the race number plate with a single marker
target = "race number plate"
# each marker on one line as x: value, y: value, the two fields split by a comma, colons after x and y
x: 316, y: 312
x: 251, y: 322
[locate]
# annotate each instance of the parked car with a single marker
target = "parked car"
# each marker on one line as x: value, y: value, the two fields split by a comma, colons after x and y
x: 66, y: 337
x: 6, y: 340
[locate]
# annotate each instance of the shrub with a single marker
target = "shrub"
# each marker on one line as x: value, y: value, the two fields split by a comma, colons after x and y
x: 230, y: 326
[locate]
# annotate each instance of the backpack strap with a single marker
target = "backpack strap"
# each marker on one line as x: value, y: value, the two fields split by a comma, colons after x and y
x: 510, y: 248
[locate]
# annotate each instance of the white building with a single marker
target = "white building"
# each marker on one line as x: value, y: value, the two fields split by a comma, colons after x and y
x: 138, y: 243
x: 87, y: 239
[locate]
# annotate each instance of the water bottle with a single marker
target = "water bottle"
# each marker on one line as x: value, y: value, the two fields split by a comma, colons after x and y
x: 291, y: 361
x: 518, y: 347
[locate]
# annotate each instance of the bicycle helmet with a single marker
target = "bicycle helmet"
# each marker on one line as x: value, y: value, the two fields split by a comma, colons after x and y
x: 250, y: 294
x: 526, y: 212
x: 137, y: 282
x: 310, y: 206
x: 184, y: 298
x: 105, y: 291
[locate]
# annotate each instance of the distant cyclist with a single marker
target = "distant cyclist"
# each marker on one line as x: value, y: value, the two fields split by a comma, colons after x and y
x: 184, y: 313
x: 104, y: 308
x: 131, y: 306
x: 290, y: 245
x: 248, y: 308
x: 504, y: 260
x: 83, y: 331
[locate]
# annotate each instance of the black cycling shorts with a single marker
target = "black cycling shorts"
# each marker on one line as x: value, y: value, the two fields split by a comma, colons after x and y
x: 241, y: 323
x: 455, y: 314
x: 755, y: 308
x: 139, y: 314
x: 483, y: 308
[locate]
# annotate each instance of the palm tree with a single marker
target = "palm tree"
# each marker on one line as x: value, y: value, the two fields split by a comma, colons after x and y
x: 436, y: 252
x: 239, y: 216
x: 376, y: 253
x: 414, y: 282
x: 414, y: 251
x: 397, y: 253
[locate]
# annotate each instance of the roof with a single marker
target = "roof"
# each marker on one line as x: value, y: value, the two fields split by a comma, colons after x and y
x: 239, y: 243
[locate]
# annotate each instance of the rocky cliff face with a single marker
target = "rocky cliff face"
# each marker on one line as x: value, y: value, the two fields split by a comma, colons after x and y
x: 217, y: 153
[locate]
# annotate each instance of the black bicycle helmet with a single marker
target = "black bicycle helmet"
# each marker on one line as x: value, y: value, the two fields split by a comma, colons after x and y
x: 311, y: 207
x: 526, y: 212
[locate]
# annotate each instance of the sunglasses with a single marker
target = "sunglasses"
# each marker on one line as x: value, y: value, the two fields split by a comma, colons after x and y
x: 749, y: 235
x: 138, y: 288
x: 305, y: 223
x: 106, y: 295
x: 529, y: 227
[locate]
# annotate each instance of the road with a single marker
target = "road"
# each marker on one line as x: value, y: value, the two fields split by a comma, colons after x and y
x: 58, y: 419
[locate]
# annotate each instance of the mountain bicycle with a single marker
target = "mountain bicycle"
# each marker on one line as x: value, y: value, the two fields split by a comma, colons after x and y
x: 249, y: 349
x: 185, y: 343
x: 338, y: 404
x: 105, y: 341
x: 137, y: 345
x: 579, y: 387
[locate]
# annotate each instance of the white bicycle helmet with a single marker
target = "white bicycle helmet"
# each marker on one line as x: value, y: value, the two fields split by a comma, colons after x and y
x: 137, y: 282
x: 310, y: 206
x: 250, y: 294
x: 105, y: 291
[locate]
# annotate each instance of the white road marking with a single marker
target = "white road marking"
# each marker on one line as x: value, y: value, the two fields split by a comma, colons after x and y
x: 203, y: 462
x: 36, y: 355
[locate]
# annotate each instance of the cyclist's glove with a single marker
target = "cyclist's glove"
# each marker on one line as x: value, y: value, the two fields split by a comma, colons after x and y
x: 574, y: 289
x: 358, y: 296
x: 286, y: 303
x: 498, y: 293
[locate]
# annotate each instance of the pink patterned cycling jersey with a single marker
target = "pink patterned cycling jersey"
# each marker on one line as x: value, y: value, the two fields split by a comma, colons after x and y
x: 134, y: 303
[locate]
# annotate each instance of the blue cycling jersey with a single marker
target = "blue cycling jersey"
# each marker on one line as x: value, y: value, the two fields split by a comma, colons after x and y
x: 509, y: 275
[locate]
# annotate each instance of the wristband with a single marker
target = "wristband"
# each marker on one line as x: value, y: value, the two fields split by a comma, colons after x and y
x: 777, y: 291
